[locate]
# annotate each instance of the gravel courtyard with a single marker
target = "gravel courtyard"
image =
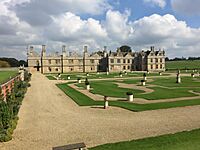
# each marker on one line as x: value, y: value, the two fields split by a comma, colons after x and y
x: 49, y: 118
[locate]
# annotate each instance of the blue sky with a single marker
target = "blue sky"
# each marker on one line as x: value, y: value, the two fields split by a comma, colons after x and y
x: 172, y: 25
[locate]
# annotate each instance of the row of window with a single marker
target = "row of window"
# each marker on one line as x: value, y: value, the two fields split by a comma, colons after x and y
x: 157, y: 66
x: 124, y: 61
x: 71, y: 61
x: 71, y: 68
x: 157, y: 59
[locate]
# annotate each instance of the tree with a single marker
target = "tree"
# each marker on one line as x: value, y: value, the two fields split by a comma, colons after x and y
x: 125, y: 48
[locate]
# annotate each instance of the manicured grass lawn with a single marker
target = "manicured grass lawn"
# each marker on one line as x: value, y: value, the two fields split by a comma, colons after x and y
x: 188, y: 140
x: 183, y: 64
x: 164, y: 93
x: 111, y: 89
x: 83, y: 100
x: 107, y: 88
x: 171, y: 82
x: 6, y: 75
x: 74, y: 76
x: 50, y: 77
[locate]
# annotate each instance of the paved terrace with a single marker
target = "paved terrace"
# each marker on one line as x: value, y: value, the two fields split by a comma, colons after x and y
x: 49, y: 118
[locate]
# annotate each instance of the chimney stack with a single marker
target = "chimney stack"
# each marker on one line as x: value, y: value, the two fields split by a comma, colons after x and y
x: 43, y: 50
x: 64, y: 51
x: 85, y: 49
x: 152, y: 48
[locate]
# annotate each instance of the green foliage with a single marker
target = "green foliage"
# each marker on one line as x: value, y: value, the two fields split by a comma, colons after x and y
x: 129, y: 93
x: 87, y: 82
x: 125, y: 48
x: 10, y: 108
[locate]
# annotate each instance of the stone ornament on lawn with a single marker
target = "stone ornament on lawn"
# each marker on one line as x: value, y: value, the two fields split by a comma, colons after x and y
x: 87, y: 84
x: 120, y: 74
x: 68, y: 78
x: 160, y: 73
x: 106, y: 105
x: 192, y: 75
x: 143, y: 82
x: 129, y: 96
x: 79, y: 80
x: 144, y: 76
x: 107, y: 73
x: 87, y: 74
x: 178, y: 78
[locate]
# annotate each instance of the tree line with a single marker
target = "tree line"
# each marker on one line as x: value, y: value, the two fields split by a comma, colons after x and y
x: 12, y: 62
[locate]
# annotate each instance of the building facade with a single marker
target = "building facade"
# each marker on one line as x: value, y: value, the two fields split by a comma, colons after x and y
x: 100, y: 61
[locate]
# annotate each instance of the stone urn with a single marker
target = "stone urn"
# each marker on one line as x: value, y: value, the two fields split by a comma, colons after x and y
x: 143, y: 82
x: 68, y: 78
x: 178, y: 78
x: 129, y: 96
x: 106, y: 104
x: 88, y: 87
x: 192, y: 75
x: 79, y: 80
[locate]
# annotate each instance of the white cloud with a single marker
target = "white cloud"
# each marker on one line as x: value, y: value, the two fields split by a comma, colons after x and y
x: 186, y: 6
x: 117, y: 25
x: 16, y: 32
x: 159, y: 3
x: 166, y: 31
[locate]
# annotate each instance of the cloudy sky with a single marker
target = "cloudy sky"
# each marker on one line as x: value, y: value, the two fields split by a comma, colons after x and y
x: 170, y: 24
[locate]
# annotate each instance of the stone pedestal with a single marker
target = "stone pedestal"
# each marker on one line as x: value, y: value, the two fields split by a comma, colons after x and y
x: 97, y: 73
x: 130, y: 98
x: 192, y: 75
x: 120, y: 75
x: 143, y: 83
x: 88, y: 87
x: 178, y: 78
x: 125, y: 73
x: 160, y: 73
x: 68, y: 78
x: 87, y: 74
x: 145, y: 78
x: 107, y: 73
x: 106, y: 104
x: 79, y: 81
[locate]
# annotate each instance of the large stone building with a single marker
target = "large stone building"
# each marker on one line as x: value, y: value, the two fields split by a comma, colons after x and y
x: 100, y: 61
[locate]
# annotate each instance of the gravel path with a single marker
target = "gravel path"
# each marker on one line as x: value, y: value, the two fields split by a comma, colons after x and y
x: 49, y: 118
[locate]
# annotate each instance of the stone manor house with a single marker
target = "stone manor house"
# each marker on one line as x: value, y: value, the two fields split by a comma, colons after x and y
x: 100, y: 61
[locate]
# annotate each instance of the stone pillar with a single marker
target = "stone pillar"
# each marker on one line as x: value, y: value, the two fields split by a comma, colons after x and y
x: 143, y: 82
x: 130, y: 98
x: 88, y: 87
x: 178, y: 78
x: 192, y: 75
x: 106, y: 105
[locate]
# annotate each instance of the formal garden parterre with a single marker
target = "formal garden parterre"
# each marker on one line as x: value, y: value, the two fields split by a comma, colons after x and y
x: 160, y: 91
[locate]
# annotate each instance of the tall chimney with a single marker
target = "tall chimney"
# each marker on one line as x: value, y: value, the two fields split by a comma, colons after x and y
x: 85, y: 49
x: 64, y: 51
x: 43, y: 50
x: 152, y: 48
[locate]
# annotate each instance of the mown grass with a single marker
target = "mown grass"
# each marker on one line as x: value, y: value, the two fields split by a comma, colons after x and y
x: 103, y: 75
x: 51, y: 77
x: 6, y: 75
x: 83, y: 100
x: 108, y: 88
x: 171, y: 90
x: 187, y: 140
x: 186, y: 64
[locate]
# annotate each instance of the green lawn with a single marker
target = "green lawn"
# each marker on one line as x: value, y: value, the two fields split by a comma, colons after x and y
x: 188, y: 140
x: 6, y: 75
x: 107, y: 88
x: 170, y: 88
x: 50, y: 77
x: 103, y: 75
x: 183, y: 64
x: 83, y: 100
